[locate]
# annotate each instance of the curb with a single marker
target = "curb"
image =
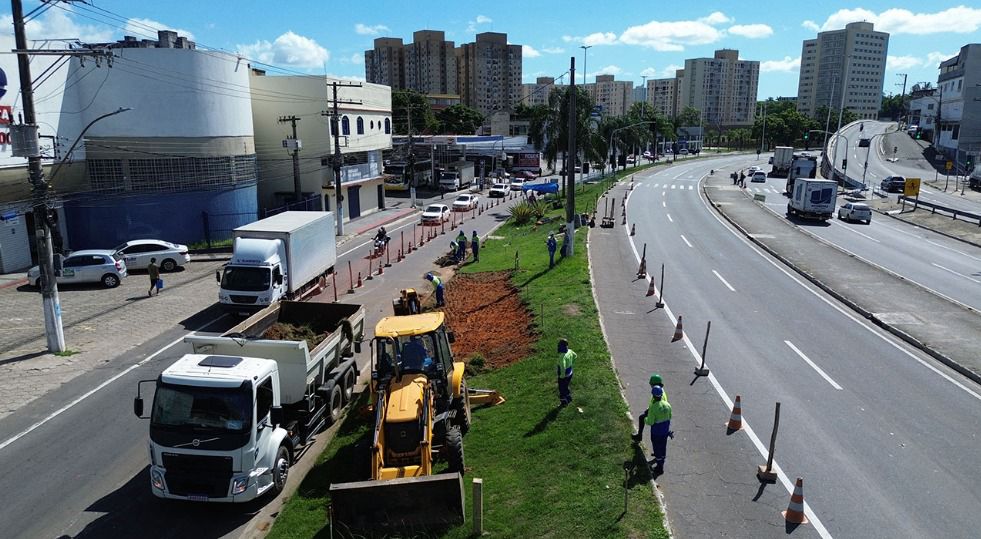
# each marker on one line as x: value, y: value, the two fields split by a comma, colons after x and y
x: 12, y: 284
x: 916, y: 343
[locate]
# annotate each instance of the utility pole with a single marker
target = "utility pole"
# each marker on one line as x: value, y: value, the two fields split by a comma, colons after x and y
x: 293, y: 146
x: 841, y: 105
x: 827, y: 122
x: 337, y: 159
x: 763, y: 137
x: 410, y: 168
x: 902, y: 101
x: 570, y: 169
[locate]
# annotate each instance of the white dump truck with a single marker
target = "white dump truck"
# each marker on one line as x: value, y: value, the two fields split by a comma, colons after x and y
x: 229, y: 419
x: 286, y: 256
x: 813, y: 199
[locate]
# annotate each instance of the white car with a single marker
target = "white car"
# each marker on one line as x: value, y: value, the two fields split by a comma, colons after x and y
x: 517, y: 184
x: 855, y: 211
x: 465, y: 203
x: 137, y: 254
x: 436, y: 214
x: 88, y: 266
x: 751, y: 170
x: 499, y: 190
x: 758, y: 176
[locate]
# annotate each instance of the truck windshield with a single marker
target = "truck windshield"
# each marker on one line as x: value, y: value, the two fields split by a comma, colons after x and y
x: 202, y: 409
x: 245, y: 279
x: 451, y: 176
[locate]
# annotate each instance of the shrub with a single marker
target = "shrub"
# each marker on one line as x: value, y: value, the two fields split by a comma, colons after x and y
x: 522, y: 213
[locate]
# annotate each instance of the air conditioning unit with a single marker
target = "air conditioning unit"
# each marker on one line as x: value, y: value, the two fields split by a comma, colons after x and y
x: 292, y: 144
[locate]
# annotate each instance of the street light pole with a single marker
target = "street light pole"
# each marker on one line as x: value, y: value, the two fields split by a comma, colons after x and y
x: 841, y: 105
x: 827, y: 121
x: 584, y: 49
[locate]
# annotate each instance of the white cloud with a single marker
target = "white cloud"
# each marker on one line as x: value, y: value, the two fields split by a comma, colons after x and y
x: 147, y: 27
x: 596, y: 38
x: 811, y: 25
x: 933, y: 59
x: 552, y: 50
x: 902, y: 62
x: 358, y: 78
x: 669, y: 71
x: 369, y: 30
x: 570, y: 39
x: 289, y: 49
x: 671, y: 36
x: 357, y: 58
x: 483, y: 19
x: 751, y: 31
x: 527, y: 51
x: 608, y: 70
x: 648, y: 72
x: 716, y: 17
x: 958, y: 20
x: 786, y: 65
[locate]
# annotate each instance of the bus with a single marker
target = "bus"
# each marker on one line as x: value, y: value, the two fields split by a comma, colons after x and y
x: 396, y: 178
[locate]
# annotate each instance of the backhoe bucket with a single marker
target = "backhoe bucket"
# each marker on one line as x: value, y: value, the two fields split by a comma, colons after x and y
x: 480, y: 397
x: 399, y: 504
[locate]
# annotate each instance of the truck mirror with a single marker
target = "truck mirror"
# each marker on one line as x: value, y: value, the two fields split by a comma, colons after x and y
x: 218, y: 276
x: 357, y: 347
x: 138, y: 406
x: 450, y: 337
x: 276, y: 415
x: 279, y: 279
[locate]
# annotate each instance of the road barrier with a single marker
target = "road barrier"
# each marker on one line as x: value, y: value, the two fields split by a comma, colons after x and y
x: 765, y: 472
x: 702, y: 371
x: 736, y: 418
x: 934, y: 208
x: 660, y: 297
x: 795, y: 510
x: 369, y: 277
x: 679, y: 333
x: 350, y: 275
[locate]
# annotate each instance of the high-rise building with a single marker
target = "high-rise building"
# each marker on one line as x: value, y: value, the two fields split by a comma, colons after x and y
x: 958, y: 122
x: 723, y: 88
x: 430, y: 63
x: 489, y: 73
x: 614, y: 97
x: 662, y: 94
x: 847, y: 64
x: 385, y: 63
x: 537, y: 93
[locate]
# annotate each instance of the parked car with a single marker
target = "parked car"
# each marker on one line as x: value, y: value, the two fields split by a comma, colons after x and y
x: 893, y: 184
x: 758, y: 176
x: 752, y: 170
x: 631, y: 160
x: 88, y: 266
x: 137, y: 254
x: 517, y: 184
x: 683, y: 151
x: 525, y: 174
x: 436, y: 214
x: 499, y: 190
x: 465, y: 203
x: 855, y: 211
x: 864, y: 142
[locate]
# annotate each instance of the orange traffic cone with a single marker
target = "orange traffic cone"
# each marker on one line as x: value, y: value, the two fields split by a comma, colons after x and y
x: 633, y: 229
x: 678, y: 332
x: 642, y: 272
x: 795, y: 510
x: 360, y: 284
x: 651, y: 290
x: 736, y: 419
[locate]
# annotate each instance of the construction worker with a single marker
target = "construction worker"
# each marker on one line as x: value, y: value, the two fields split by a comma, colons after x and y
x: 659, y: 418
x: 415, y: 357
x: 742, y: 178
x: 655, y: 381
x: 563, y: 368
x: 552, y: 246
x: 475, y: 246
x: 438, y: 288
x: 461, y: 247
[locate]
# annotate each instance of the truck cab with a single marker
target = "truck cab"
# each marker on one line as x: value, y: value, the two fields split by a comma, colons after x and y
x: 256, y: 276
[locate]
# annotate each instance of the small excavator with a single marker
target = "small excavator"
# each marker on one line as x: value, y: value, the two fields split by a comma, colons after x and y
x: 422, y: 409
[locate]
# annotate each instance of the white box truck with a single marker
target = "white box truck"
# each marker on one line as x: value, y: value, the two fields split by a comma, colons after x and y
x: 228, y: 420
x: 458, y: 175
x: 813, y: 199
x: 783, y: 157
x: 285, y: 256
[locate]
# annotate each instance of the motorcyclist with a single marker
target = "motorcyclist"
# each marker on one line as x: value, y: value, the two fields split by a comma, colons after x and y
x: 861, y: 127
x: 381, y: 238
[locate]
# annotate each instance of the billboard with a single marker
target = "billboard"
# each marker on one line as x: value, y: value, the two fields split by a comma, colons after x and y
x: 527, y: 161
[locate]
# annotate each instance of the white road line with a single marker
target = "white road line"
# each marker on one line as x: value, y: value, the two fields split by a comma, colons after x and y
x: 813, y: 366
x: 952, y: 249
x: 664, y: 193
x: 690, y: 187
x: 956, y: 273
x: 673, y: 186
x: 97, y: 388
x: 848, y: 228
x: 664, y: 203
x: 725, y: 282
x: 686, y: 241
x: 669, y: 217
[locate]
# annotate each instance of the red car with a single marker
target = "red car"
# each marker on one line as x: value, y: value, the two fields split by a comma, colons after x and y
x: 526, y: 174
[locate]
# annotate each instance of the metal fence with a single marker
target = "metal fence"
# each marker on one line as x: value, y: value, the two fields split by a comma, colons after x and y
x: 937, y: 208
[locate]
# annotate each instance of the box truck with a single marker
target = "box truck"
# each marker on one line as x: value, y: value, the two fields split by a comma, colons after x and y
x: 783, y: 157
x: 228, y: 420
x: 813, y: 199
x: 286, y: 256
x: 457, y: 175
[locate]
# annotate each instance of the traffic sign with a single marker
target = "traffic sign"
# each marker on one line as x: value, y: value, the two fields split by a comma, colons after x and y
x: 912, y: 187
x: 950, y: 165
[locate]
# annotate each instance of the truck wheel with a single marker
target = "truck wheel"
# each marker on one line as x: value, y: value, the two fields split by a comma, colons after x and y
x: 335, y: 403
x: 454, y: 450
x: 349, y: 380
x: 280, y: 470
x: 462, y: 417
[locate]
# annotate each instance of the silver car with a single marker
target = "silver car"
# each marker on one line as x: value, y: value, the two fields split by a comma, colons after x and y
x: 137, y: 254
x: 855, y: 211
x: 89, y: 266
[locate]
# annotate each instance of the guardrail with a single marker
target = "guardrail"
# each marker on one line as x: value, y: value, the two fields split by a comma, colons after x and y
x: 934, y: 208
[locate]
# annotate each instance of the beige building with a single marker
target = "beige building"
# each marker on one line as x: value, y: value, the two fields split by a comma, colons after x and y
x: 679, y: 76
x: 537, y: 93
x: 723, y: 88
x: 385, y: 63
x: 430, y: 63
x: 662, y: 94
x: 844, y: 64
x: 613, y: 96
x: 489, y: 73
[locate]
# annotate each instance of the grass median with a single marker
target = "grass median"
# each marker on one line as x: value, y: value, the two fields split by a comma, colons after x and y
x: 547, y: 471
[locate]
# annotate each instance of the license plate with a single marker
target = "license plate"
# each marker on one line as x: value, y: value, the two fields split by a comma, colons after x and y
x: 197, y: 498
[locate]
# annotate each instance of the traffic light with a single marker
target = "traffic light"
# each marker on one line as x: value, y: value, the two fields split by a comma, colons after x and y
x: 918, y: 134
x: 806, y: 143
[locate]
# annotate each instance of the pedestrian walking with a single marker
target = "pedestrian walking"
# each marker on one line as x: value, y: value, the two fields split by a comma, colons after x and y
x: 735, y: 177
x: 461, y: 247
x: 552, y: 246
x: 659, y: 418
x: 655, y: 381
x: 742, y: 179
x: 475, y: 246
x: 438, y: 288
x: 563, y: 368
x: 154, y: 271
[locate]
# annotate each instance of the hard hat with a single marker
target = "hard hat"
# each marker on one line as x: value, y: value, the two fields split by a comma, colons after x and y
x: 429, y: 276
x: 656, y: 379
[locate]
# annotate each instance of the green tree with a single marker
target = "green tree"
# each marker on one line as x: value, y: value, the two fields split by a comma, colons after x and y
x: 549, y: 124
x: 893, y: 106
x: 459, y: 120
x: 689, y: 117
x: 423, y: 119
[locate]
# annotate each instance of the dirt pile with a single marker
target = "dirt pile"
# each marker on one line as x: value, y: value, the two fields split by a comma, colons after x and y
x: 293, y: 332
x: 488, y: 318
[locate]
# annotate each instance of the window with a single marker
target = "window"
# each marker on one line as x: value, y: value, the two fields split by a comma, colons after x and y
x: 371, y: 124
x: 263, y: 400
x: 388, y: 126
x: 345, y: 126
x: 360, y: 125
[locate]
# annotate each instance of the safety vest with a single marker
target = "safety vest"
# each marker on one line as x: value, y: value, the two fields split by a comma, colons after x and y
x: 658, y: 411
x: 565, y: 363
x: 436, y: 282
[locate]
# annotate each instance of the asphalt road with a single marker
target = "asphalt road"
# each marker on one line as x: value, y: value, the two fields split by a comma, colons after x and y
x: 882, y: 441
x: 75, y: 461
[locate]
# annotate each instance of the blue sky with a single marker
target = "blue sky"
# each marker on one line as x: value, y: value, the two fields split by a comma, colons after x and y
x: 629, y: 38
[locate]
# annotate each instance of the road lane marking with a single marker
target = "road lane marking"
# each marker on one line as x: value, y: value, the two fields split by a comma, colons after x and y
x: 690, y: 187
x: 673, y: 186
x: 664, y: 193
x: 664, y: 203
x: 813, y: 365
x: 99, y: 387
x: 669, y: 217
x: 952, y: 249
x: 725, y: 282
x: 855, y: 231
x: 686, y: 241
x: 956, y: 273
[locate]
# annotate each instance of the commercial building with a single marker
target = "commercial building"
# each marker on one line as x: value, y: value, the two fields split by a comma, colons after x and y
x: 847, y: 64
x: 924, y: 106
x: 958, y: 129
x: 430, y: 63
x: 613, y: 97
x: 385, y: 63
x: 489, y: 73
x: 723, y: 88
x: 662, y: 94
x: 537, y: 93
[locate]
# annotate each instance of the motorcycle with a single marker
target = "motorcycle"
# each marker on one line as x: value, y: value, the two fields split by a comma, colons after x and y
x: 380, y: 245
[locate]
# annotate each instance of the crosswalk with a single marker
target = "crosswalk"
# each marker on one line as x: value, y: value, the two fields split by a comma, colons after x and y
x: 673, y: 186
x: 749, y: 189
